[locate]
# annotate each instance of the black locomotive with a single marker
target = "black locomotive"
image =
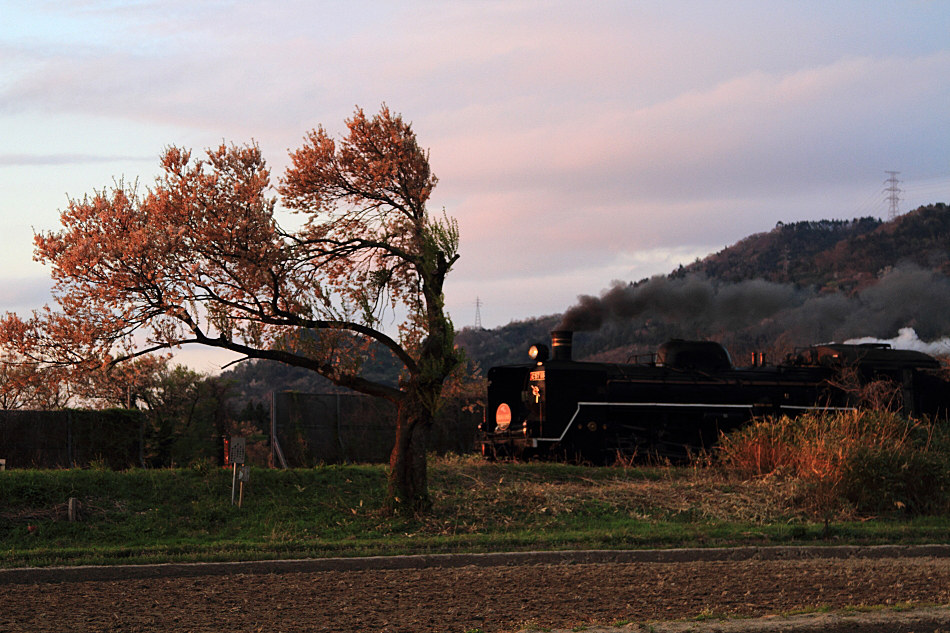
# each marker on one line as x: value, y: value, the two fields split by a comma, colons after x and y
x: 680, y: 399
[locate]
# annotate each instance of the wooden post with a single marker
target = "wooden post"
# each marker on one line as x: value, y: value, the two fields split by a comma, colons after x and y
x: 236, y: 457
x: 233, y: 482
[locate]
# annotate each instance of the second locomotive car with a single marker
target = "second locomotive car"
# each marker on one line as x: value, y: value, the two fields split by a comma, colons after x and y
x: 678, y: 400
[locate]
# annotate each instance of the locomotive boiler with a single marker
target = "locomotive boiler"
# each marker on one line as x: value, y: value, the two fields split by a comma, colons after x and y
x: 680, y: 399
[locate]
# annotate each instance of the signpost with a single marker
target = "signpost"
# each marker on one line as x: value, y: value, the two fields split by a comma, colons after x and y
x: 236, y: 457
x: 243, y: 476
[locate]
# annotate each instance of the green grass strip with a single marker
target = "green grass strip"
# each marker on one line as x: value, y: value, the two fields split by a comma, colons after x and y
x: 186, y: 515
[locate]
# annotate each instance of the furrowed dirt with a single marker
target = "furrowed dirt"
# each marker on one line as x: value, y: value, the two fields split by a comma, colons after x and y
x: 635, y: 596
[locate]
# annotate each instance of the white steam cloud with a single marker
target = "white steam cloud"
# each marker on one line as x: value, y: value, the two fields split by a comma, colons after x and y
x: 907, y: 339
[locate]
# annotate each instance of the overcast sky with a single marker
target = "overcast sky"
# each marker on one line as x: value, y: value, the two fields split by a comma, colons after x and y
x: 576, y: 143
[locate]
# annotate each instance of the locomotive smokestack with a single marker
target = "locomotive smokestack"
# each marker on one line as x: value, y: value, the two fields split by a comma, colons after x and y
x: 561, y: 343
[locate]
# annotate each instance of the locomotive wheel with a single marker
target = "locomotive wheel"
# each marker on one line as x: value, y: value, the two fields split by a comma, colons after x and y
x: 572, y: 454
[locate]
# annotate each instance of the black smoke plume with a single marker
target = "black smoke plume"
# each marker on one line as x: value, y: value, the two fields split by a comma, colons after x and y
x: 907, y: 296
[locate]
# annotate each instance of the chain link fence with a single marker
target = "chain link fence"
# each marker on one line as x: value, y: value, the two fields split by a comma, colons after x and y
x: 72, y: 438
x: 338, y: 428
x: 309, y: 429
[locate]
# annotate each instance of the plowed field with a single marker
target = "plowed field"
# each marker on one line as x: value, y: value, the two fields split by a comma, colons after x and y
x: 472, y: 598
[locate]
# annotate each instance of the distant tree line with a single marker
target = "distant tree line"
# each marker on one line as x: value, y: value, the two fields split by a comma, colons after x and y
x: 185, y: 413
x: 843, y: 255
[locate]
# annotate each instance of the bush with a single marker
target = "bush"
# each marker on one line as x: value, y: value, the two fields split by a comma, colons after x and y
x: 868, y: 462
x: 904, y: 479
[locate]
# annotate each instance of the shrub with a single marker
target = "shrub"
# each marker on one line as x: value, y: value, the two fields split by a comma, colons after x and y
x: 869, y: 462
x: 914, y: 481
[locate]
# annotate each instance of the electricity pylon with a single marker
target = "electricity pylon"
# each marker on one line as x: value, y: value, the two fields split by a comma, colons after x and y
x: 893, y: 198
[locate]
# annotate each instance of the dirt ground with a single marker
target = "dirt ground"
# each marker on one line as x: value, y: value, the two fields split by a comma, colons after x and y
x: 633, y: 596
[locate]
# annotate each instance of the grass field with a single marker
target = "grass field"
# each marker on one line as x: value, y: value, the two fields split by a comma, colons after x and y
x: 142, y: 516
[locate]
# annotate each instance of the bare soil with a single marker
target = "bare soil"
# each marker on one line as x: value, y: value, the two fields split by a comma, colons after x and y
x: 708, y: 596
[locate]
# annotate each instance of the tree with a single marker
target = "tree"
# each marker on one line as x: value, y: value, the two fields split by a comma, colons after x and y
x: 27, y: 385
x: 199, y: 258
x: 127, y: 385
x: 186, y: 413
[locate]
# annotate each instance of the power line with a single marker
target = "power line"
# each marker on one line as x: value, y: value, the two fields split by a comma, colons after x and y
x: 928, y: 189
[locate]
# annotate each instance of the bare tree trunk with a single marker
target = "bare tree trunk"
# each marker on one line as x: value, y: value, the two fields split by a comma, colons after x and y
x: 408, y: 473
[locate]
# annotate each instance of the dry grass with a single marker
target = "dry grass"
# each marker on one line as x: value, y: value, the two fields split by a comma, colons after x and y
x: 849, y: 463
x: 468, y: 496
x: 705, y: 495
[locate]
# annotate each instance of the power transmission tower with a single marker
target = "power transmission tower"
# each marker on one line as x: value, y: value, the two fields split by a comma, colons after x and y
x: 478, y: 313
x: 894, y: 193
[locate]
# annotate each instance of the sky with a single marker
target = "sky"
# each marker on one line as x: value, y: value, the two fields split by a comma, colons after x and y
x: 575, y: 143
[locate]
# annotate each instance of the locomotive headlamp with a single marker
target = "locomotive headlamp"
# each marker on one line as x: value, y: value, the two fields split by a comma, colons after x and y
x: 538, y: 352
x: 502, y: 418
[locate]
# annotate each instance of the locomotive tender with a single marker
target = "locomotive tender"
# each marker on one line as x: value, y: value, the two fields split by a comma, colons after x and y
x: 680, y: 399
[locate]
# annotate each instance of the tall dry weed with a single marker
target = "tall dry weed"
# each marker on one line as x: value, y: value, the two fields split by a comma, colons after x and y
x: 864, y: 462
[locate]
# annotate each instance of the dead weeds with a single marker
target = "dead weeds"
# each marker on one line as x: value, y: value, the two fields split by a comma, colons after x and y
x: 475, y: 494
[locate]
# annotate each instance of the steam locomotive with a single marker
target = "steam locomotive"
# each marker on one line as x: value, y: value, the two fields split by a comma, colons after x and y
x: 681, y: 398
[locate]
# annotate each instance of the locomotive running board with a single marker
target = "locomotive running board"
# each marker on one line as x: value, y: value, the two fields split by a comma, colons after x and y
x: 672, y: 405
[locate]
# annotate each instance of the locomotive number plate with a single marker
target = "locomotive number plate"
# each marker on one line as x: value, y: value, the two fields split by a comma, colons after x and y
x: 536, y: 375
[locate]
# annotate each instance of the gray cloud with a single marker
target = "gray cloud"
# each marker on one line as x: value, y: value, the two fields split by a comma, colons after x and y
x: 566, y: 137
x: 65, y: 159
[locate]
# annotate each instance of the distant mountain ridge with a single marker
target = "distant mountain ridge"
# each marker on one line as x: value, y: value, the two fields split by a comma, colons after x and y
x: 789, y: 253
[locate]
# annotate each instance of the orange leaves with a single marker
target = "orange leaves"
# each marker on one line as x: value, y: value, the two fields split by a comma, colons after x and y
x: 308, y: 184
x: 384, y: 162
x: 200, y: 258
x: 366, y: 200
x: 175, y: 160
x: 378, y: 167
x: 125, y: 263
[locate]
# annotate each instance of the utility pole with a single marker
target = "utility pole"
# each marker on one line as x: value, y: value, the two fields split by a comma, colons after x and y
x: 478, y: 313
x: 894, y: 192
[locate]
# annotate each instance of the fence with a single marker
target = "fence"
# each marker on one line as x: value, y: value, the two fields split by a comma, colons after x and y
x: 337, y: 428
x: 71, y: 438
x: 310, y: 429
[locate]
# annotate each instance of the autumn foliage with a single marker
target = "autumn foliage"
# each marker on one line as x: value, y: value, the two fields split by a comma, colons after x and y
x: 199, y: 258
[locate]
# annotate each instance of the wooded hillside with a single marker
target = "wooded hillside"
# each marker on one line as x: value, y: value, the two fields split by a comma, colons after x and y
x: 835, y: 254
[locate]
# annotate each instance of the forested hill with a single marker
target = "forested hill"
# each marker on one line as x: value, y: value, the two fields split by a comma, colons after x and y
x: 834, y: 254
